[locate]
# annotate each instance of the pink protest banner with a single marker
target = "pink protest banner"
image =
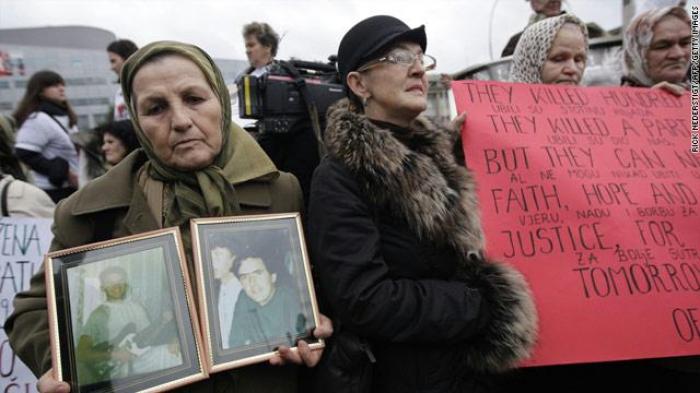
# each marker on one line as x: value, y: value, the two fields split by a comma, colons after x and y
x: 593, y: 194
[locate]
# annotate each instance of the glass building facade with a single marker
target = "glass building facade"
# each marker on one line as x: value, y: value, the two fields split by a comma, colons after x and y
x: 78, y: 53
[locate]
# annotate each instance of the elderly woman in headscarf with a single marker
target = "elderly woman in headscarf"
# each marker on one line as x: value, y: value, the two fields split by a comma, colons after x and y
x: 396, y: 238
x: 657, y: 50
x: 193, y: 163
x: 552, y: 51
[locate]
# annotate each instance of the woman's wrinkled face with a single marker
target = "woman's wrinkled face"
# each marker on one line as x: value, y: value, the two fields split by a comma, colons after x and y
x: 397, y: 92
x: 56, y: 93
x: 113, y: 149
x: 566, y: 60
x: 668, y: 56
x: 178, y: 112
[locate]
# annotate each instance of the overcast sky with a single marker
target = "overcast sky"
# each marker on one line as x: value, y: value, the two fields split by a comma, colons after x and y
x: 458, y: 30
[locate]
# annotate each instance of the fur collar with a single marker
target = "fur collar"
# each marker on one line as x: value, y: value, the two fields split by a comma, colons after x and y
x: 437, y: 197
x: 424, y: 184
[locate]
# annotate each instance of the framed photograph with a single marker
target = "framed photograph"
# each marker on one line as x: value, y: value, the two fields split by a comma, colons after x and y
x: 255, y: 287
x: 122, y: 316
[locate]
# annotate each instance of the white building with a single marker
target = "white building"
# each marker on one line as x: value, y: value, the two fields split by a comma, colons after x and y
x: 79, y: 54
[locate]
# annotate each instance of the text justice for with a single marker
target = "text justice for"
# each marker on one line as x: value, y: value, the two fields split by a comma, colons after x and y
x: 584, y: 237
x: 555, y: 239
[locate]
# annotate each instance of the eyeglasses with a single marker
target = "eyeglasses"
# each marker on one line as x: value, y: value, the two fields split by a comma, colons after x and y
x: 405, y: 58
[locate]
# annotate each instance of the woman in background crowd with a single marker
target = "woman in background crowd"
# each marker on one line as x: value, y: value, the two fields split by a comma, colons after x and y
x: 551, y: 51
x: 657, y: 50
x: 118, y: 51
x: 46, y: 122
x: 118, y: 140
x: 17, y: 197
x: 396, y: 238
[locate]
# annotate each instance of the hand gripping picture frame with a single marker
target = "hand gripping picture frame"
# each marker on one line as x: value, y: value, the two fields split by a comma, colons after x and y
x: 122, y: 315
x: 255, y: 287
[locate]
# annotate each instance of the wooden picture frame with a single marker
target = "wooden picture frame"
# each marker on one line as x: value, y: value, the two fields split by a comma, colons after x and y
x: 122, y: 315
x: 255, y: 287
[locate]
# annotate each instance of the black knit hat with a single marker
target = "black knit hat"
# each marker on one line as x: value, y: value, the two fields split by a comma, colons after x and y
x: 370, y: 37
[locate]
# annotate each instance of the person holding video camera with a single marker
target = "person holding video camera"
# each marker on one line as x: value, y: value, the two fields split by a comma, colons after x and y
x: 296, y: 149
x: 261, y: 43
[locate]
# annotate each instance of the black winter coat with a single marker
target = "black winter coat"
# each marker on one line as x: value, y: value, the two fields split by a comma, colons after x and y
x: 393, y: 231
x: 387, y: 285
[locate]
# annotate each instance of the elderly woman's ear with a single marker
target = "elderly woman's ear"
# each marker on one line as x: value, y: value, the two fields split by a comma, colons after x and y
x: 357, y: 85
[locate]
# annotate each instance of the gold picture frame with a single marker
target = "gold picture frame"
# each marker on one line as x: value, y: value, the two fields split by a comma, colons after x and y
x: 122, y: 315
x: 255, y: 287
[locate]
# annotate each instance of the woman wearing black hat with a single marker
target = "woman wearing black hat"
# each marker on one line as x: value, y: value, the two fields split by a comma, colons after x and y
x: 396, y: 239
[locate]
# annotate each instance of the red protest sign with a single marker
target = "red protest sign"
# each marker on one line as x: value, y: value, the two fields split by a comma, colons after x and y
x: 593, y: 194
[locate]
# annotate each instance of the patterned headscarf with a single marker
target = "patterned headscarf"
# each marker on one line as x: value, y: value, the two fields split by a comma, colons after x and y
x: 534, y: 45
x: 207, y: 192
x: 638, y: 37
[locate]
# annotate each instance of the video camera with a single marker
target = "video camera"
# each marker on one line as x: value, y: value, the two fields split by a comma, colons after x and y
x: 287, y: 93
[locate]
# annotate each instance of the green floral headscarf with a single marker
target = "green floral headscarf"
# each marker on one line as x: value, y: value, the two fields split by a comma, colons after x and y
x: 207, y: 192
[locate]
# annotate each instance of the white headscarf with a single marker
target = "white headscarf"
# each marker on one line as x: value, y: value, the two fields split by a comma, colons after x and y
x: 638, y: 37
x: 534, y: 45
